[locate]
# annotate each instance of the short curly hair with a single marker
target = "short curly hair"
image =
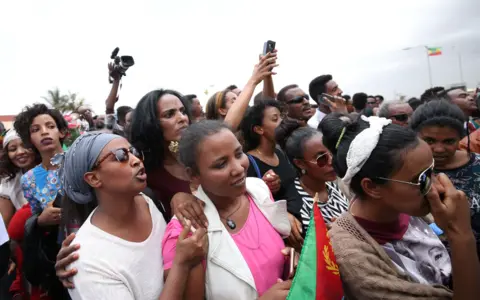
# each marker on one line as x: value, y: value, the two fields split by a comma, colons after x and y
x: 24, y: 120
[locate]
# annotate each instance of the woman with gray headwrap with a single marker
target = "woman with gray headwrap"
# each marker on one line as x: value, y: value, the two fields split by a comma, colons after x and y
x: 120, y: 254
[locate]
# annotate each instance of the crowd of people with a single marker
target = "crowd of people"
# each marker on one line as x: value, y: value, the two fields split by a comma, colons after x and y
x: 170, y: 201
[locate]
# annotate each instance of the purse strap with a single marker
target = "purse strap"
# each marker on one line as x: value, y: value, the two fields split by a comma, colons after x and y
x: 255, y: 166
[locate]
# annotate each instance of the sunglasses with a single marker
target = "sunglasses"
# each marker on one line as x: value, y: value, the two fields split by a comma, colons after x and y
x: 298, y: 99
x: 322, y: 159
x: 121, y: 155
x: 400, y: 118
x: 424, y: 181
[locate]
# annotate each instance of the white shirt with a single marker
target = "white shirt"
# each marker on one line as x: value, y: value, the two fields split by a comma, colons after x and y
x: 3, y: 232
x: 316, y: 119
x: 12, y: 189
x: 111, y: 268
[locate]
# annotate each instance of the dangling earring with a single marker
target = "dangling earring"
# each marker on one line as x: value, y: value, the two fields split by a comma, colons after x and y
x: 304, y: 171
x: 173, y: 147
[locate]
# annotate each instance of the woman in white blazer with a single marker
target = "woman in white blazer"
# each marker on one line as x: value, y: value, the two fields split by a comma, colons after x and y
x: 246, y: 256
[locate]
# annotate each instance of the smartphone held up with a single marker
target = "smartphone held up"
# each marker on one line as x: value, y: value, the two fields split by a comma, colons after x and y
x: 268, y: 47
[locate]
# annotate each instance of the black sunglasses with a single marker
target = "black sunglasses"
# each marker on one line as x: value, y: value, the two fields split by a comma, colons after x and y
x: 298, y: 99
x: 400, y: 117
x: 424, y: 180
x: 121, y: 155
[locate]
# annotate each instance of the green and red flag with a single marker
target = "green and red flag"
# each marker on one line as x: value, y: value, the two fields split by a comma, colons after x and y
x: 434, y: 51
x: 317, y: 276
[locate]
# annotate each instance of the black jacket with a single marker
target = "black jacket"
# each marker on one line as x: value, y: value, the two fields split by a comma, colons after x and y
x: 4, y: 258
x: 40, y: 250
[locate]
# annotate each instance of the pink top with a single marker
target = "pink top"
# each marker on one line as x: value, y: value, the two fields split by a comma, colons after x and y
x: 259, y: 243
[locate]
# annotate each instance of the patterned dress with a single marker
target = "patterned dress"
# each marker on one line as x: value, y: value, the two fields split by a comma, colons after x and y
x: 40, y: 187
x: 336, y: 205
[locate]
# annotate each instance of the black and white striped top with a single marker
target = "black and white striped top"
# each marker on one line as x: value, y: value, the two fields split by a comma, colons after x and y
x: 336, y: 205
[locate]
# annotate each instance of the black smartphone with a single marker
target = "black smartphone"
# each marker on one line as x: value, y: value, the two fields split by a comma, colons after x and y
x: 321, y: 99
x: 268, y: 47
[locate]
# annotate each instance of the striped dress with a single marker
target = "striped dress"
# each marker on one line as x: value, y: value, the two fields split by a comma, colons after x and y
x: 336, y: 205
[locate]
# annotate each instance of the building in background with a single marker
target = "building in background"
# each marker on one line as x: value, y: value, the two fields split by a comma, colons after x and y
x: 7, y: 120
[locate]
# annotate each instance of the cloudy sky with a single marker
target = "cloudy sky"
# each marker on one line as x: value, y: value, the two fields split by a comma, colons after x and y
x: 191, y: 45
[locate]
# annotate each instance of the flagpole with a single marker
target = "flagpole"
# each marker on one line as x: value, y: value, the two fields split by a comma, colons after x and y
x: 460, y: 68
x: 429, y: 67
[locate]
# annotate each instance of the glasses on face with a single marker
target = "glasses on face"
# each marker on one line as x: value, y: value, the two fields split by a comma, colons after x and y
x: 400, y: 117
x: 298, y: 99
x: 121, y: 155
x: 322, y: 160
x: 424, y: 180
x: 372, y: 102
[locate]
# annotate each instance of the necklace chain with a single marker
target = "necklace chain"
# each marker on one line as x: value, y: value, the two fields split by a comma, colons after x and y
x: 229, y: 215
x: 305, y: 188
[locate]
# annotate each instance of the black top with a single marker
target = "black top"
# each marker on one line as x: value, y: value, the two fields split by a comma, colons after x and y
x: 287, y: 175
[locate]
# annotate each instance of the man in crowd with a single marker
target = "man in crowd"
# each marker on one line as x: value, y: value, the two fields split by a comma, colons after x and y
x: 85, y: 117
x: 372, y: 102
x: 359, y: 102
x: 464, y: 100
x: 323, y: 84
x: 195, y: 108
x: 398, y: 111
x: 295, y: 103
x: 379, y: 99
x: 234, y: 89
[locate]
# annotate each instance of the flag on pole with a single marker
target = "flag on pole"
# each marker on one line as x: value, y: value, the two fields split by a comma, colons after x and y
x: 317, y: 276
x: 434, y: 51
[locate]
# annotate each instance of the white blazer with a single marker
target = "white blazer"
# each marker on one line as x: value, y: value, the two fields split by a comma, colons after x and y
x: 227, y: 274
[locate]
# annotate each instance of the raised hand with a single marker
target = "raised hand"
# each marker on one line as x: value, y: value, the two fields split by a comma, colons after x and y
x: 264, y: 67
x: 449, y: 206
x: 272, y: 180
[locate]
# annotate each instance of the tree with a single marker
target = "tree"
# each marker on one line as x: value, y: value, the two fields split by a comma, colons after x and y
x: 64, y: 103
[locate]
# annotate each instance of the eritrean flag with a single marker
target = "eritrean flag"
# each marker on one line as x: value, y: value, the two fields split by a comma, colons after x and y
x: 433, y: 51
x: 317, y: 276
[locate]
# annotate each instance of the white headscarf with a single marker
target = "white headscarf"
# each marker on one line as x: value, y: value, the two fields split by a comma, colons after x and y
x: 10, y: 136
x: 363, y: 145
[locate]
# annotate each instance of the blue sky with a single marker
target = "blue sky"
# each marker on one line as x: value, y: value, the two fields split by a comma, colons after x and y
x: 190, y: 45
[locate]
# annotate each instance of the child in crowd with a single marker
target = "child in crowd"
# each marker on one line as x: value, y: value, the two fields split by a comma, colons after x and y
x: 43, y: 129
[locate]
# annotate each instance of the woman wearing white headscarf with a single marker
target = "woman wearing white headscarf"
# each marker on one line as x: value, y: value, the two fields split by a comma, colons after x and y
x: 15, y: 159
x: 120, y: 255
x: 383, y: 247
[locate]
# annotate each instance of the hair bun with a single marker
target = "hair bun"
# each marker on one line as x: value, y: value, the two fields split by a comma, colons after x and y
x: 331, y: 127
x: 284, y: 130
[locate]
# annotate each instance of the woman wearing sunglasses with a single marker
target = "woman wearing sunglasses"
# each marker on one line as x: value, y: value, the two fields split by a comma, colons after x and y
x: 383, y: 247
x: 441, y: 125
x: 316, y: 175
x: 120, y: 255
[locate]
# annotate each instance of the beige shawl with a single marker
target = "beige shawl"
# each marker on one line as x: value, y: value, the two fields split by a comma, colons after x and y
x: 368, y: 272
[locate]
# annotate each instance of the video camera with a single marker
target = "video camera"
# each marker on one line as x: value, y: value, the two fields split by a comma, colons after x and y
x: 120, y: 63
